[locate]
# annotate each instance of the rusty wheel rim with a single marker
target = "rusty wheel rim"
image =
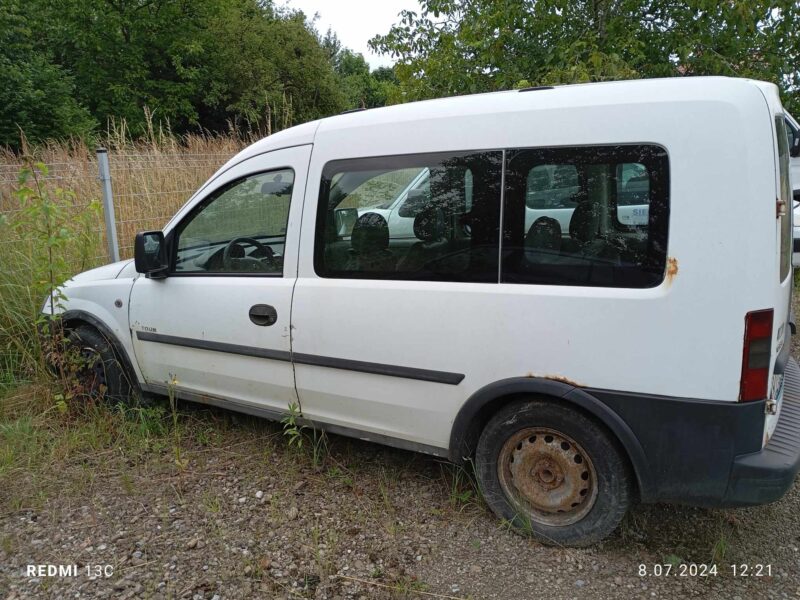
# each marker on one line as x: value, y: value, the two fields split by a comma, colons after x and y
x: 547, y: 476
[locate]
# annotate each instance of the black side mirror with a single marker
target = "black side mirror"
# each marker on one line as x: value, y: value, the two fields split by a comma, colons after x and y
x: 344, y: 220
x: 150, y: 254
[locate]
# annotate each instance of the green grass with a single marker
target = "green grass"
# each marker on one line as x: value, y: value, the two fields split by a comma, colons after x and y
x: 36, y: 444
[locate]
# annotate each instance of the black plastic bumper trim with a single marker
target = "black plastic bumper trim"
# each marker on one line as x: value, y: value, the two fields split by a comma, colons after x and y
x: 765, y: 476
x: 689, y: 445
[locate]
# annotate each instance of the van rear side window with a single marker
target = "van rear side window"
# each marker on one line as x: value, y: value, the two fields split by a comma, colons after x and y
x: 785, y: 246
x: 594, y: 216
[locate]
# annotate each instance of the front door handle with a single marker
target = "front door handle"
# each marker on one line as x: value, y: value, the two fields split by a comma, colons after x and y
x: 263, y: 314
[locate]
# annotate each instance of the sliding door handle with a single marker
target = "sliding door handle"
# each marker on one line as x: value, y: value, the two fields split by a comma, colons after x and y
x: 263, y: 314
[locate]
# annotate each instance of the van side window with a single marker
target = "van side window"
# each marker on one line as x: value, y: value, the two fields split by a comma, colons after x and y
x: 785, y: 191
x: 240, y: 228
x: 594, y: 216
x: 429, y: 217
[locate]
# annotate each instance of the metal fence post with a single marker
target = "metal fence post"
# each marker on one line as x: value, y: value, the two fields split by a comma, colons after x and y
x: 108, y: 204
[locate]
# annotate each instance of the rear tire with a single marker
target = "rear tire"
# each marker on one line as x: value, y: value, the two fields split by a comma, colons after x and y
x: 553, y: 473
x: 99, y: 370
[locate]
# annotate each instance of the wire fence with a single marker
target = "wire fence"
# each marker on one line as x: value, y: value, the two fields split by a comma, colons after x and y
x: 147, y: 189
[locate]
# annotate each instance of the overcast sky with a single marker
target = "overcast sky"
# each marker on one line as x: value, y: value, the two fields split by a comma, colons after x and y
x: 356, y: 21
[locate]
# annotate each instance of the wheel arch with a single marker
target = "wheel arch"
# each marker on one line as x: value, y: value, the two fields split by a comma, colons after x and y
x: 71, y: 319
x: 480, y: 407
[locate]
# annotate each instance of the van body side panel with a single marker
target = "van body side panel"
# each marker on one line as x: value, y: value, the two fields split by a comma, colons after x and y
x: 681, y: 339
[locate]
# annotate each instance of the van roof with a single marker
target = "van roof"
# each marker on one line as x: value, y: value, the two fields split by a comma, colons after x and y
x: 673, y: 89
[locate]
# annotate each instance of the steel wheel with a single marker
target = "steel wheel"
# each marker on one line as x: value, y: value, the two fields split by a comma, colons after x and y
x: 548, y: 476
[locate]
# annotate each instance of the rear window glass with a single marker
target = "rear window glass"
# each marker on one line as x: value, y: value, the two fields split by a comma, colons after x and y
x: 594, y: 216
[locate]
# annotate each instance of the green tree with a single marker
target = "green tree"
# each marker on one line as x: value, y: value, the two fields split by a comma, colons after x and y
x: 205, y: 64
x: 361, y: 87
x: 463, y: 46
x: 36, y: 95
x: 265, y: 70
x: 131, y: 54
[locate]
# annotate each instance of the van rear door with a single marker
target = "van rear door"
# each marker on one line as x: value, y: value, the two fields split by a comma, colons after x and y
x: 782, y: 334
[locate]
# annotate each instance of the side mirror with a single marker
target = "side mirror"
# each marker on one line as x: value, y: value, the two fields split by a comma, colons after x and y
x: 150, y: 255
x: 796, y: 195
x: 794, y: 151
x: 344, y: 220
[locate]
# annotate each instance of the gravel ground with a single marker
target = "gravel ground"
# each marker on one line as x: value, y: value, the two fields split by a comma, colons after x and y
x: 248, y: 516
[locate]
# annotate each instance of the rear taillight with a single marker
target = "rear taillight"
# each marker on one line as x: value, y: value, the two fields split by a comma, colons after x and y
x: 756, y: 355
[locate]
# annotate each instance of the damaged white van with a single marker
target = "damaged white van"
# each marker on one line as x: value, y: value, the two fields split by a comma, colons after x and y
x: 515, y: 312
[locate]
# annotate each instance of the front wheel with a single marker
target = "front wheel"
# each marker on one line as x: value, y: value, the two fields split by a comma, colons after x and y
x: 97, y: 368
x: 553, y: 473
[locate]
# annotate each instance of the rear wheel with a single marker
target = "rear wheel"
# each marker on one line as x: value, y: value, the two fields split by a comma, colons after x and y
x: 553, y: 473
x: 97, y: 368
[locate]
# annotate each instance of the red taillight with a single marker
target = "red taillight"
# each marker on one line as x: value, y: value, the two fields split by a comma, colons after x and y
x: 756, y: 355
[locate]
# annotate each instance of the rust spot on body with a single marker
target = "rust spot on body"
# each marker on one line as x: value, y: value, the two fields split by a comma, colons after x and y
x: 672, y: 268
x: 562, y: 379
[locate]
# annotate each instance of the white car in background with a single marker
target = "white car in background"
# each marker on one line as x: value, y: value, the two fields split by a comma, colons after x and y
x: 552, y: 190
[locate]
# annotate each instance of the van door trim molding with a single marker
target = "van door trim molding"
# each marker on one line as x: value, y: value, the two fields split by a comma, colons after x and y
x: 445, y: 377
x: 173, y: 340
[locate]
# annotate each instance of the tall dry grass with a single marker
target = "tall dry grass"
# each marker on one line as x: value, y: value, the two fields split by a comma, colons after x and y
x: 151, y: 179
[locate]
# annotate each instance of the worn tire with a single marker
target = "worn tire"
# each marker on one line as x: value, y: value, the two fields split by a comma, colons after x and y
x: 544, y: 470
x: 103, y: 363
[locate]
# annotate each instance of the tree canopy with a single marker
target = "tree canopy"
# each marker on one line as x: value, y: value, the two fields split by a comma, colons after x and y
x: 463, y: 46
x: 67, y: 67
x: 37, y: 96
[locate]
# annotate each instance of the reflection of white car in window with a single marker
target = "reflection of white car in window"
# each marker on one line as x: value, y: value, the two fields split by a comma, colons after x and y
x: 400, y: 213
x: 552, y: 191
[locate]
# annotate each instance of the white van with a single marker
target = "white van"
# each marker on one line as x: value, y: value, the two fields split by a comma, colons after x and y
x: 580, y: 363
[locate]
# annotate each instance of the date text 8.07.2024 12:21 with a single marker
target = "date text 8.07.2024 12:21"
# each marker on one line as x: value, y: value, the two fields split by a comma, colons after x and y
x: 702, y: 570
